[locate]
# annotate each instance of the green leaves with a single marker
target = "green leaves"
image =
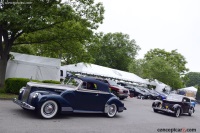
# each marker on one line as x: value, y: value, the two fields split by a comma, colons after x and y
x: 114, y: 50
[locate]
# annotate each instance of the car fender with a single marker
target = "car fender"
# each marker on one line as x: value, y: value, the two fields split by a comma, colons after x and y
x: 156, y: 102
x: 192, y: 107
x: 43, y: 96
x: 175, y: 106
x: 114, y: 100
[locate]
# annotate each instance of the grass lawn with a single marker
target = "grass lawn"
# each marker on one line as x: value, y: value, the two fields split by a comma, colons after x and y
x: 7, y: 96
x: 4, y: 95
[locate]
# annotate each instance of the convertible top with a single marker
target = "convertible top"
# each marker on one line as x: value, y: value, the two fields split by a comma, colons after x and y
x: 100, y: 85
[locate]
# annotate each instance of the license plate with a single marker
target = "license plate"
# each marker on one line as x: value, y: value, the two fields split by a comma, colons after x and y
x: 166, y: 107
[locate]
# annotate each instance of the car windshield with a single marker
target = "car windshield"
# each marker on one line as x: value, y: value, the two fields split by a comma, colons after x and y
x: 73, y: 82
x: 174, y: 98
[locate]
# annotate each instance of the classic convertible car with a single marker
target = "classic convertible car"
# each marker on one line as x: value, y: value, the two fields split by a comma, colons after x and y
x: 78, y: 95
x: 174, y: 104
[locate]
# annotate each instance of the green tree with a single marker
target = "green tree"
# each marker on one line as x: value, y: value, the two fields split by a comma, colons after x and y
x: 136, y: 67
x: 174, y: 59
x: 157, y: 68
x: 18, y: 21
x: 114, y: 50
x: 193, y: 79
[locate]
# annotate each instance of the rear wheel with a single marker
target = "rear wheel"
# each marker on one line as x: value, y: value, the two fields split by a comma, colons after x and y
x: 191, y: 110
x: 48, y: 109
x: 112, y: 110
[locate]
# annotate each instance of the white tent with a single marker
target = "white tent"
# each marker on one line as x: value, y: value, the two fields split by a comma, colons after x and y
x: 160, y: 86
x: 35, y: 67
x: 96, y: 70
x: 188, y: 91
x: 192, y: 89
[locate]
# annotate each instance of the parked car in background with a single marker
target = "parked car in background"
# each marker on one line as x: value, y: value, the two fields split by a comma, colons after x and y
x: 174, y: 104
x: 161, y: 94
x: 116, y: 89
x: 153, y: 94
x: 78, y: 95
x: 136, y: 92
x: 193, y: 101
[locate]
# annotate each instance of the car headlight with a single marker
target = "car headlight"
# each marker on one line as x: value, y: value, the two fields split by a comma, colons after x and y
x: 21, y: 90
x: 35, y: 95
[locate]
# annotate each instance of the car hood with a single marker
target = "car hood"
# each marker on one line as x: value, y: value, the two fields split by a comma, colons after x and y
x: 52, y: 86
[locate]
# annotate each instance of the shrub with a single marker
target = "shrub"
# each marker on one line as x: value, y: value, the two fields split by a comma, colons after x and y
x: 51, y: 81
x: 13, y: 85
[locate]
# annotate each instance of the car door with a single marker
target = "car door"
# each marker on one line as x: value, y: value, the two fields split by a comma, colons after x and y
x: 88, y: 99
x: 185, y: 105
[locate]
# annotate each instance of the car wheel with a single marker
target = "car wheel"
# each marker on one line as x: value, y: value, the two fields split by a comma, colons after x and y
x: 177, y: 112
x: 157, y: 105
x: 112, y: 110
x: 48, y: 109
x: 190, y: 111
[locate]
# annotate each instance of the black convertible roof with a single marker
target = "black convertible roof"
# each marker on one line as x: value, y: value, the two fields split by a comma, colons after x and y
x: 100, y: 85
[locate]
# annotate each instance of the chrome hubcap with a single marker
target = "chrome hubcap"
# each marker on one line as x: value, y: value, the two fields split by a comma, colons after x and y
x: 177, y: 112
x: 48, y: 109
x: 112, y: 110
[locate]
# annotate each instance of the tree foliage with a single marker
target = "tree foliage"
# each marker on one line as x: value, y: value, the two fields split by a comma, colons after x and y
x: 193, y: 79
x: 136, y: 67
x: 33, y: 21
x: 157, y: 68
x: 173, y: 58
x: 114, y: 50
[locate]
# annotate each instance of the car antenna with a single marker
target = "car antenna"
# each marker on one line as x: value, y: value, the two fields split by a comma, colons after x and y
x: 31, y: 78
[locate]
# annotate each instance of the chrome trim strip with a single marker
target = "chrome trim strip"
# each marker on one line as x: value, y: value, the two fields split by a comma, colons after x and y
x: 92, y: 91
x: 67, y: 109
x: 84, y: 111
x: 165, y: 110
x: 23, y: 104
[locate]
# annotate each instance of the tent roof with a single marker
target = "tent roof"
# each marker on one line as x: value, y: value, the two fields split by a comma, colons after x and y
x: 189, y: 89
x: 97, y: 70
x: 37, y: 60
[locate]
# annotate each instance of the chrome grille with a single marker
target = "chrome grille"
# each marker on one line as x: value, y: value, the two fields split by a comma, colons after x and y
x: 26, y: 93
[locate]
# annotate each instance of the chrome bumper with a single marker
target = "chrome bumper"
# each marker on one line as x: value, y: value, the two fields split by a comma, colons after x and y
x: 23, y: 104
x: 164, y: 110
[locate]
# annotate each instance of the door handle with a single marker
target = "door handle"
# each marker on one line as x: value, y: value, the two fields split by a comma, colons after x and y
x: 97, y: 95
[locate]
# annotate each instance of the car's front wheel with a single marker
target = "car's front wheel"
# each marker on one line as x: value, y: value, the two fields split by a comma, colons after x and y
x: 177, y: 112
x: 48, y: 109
x: 112, y: 110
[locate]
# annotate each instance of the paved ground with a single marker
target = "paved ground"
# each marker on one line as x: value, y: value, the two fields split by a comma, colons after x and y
x: 139, y: 118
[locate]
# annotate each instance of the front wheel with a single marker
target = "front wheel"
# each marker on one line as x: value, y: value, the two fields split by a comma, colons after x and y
x: 177, y: 112
x: 48, y: 109
x: 112, y: 110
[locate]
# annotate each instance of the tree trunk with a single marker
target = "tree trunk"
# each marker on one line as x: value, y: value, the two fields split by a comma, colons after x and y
x: 3, y: 65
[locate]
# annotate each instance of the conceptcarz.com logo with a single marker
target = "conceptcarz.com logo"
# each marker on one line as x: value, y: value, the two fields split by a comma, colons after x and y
x: 16, y: 2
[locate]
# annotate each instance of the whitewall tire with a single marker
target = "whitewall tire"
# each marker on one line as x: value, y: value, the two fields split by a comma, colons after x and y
x: 48, y: 109
x: 112, y: 110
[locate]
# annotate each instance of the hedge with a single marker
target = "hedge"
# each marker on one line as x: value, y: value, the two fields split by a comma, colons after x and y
x: 13, y: 85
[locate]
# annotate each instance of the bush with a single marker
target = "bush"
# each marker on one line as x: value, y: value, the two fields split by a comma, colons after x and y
x: 51, y: 81
x: 13, y: 85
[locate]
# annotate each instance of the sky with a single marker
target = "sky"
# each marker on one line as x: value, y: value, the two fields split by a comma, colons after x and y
x: 163, y: 24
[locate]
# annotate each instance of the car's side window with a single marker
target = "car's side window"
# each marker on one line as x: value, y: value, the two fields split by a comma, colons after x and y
x: 186, y: 100
x: 89, y: 86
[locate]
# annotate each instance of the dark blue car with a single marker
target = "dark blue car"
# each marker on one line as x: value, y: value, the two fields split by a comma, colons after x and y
x: 78, y: 95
